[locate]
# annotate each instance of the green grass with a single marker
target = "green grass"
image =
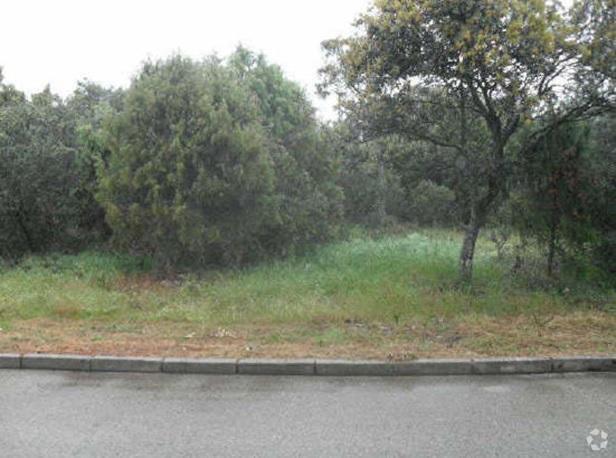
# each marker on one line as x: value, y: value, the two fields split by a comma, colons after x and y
x: 392, y: 280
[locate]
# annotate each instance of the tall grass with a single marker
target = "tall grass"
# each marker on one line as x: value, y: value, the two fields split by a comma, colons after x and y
x: 393, y: 279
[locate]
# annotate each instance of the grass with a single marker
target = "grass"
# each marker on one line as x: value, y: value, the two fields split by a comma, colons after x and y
x: 394, y: 296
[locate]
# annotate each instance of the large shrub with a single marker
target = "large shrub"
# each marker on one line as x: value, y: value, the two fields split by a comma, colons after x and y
x: 42, y: 181
x: 89, y: 106
x: 206, y: 166
x: 304, y: 164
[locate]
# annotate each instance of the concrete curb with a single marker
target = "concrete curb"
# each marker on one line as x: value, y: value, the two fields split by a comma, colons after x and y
x: 380, y: 368
x: 125, y: 364
x: 10, y: 361
x: 276, y: 366
x: 340, y: 368
x: 199, y: 366
x: 55, y: 362
x: 512, y: 366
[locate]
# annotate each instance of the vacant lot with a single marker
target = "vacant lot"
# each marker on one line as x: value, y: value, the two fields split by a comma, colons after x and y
x: 392, y: 297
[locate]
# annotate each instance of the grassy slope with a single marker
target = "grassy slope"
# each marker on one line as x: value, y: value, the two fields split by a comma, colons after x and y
x: 392, y: 296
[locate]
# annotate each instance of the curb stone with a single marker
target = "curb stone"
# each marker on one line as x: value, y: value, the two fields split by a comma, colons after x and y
x: 583, y: 364
x: 126, y: 364
x: 352, y: 368
x: 55, y: 362
x: 435, y: 367
x: 199, y: 366
x: 379, y: 368
x: 276, y: 366
x: 319, y: 367
x: 511, y: 366
x: 10, y: 361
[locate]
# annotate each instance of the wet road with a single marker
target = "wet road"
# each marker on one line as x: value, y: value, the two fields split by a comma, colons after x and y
x: 62, y: 414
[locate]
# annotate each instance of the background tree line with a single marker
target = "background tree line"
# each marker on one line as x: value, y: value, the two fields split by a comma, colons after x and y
x: 197, y: 163
x: 465, y: 114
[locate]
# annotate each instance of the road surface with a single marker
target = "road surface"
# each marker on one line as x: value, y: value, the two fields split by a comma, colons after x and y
x: 63, y: 414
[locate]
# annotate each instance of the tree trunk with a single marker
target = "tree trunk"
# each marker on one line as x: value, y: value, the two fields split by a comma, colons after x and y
x: 552, y: 246
x: 472, y: 230
x: 480, y: 209
x: 381, y: 204
x: 468, y: 253
x: 25, y: 232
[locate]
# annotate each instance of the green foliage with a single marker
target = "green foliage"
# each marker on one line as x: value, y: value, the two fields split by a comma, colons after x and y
x: 434, y: 183
x: 431, y: 204
x: 595, y: 24
x: 216, y: 163
x: 372, y: 192
x: 40, y: 175
x: 188, y: 175
x: 89, y: 105
x: 562, y: 196
x: 450, y: 108
x: 466, y: 76
x: 599, y: 177
x: 305, y: 165
x: 551, y: 201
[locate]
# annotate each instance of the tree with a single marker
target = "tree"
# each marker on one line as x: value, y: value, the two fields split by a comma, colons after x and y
x: 464, y: 75
x: 600, y: 175
x: 554, y: 195
x: 595, y: 25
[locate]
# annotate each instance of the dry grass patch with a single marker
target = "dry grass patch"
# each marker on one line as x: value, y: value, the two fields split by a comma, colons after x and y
x: 583, y: 333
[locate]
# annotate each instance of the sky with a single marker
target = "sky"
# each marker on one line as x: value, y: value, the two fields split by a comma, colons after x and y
x: 60, y: 42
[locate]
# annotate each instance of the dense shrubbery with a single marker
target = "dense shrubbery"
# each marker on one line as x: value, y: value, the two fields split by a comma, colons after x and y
x: 222, y: 162
x: 600, y: 177
x: 46, y: 182
x: 213, y: 162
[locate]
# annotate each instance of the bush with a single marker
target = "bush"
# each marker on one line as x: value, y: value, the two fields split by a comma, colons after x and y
x: 305, y: 165
x: 203, y: 168
x: 42, y: 181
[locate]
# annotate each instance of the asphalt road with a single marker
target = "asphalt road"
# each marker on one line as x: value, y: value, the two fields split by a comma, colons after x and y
x: 62, y: 414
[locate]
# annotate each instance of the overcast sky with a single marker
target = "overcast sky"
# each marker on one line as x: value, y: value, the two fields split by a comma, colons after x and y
x: 62, y: 41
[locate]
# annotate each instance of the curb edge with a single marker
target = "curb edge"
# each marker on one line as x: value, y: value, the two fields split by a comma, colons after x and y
x: 308, y: 366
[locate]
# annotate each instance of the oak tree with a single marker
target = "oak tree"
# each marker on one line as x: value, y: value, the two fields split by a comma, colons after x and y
x: 466, y: 75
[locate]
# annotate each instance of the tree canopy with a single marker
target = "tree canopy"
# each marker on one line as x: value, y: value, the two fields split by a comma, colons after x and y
x: 467, y: 76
